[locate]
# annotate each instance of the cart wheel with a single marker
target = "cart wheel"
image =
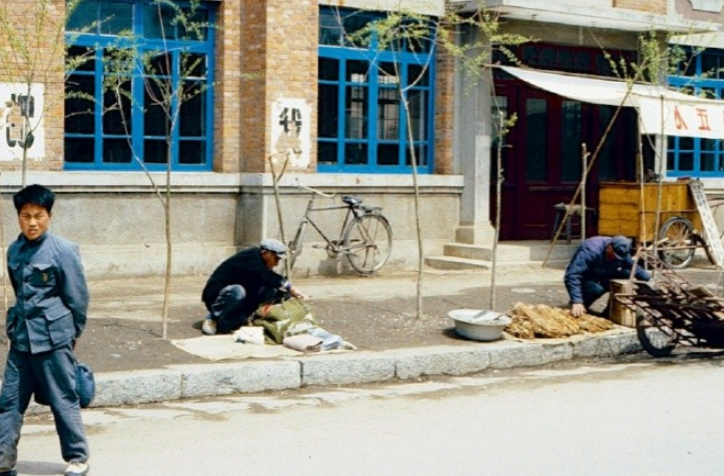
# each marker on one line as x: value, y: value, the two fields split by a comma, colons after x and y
x: 677, y: 242
x: 655, y: 341
x: 700, y: 241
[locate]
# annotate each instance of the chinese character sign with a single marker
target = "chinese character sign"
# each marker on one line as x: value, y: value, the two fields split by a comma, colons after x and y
x: 290, y: 132
x: 685, y: 118
x: 21, y: 121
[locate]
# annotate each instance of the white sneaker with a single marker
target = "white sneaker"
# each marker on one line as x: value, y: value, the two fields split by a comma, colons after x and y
x: 209, y: 327
x: 77, y: 469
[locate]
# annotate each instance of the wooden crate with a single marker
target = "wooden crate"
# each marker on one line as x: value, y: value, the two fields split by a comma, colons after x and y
x: 621, y: 208
x: 619, y: 313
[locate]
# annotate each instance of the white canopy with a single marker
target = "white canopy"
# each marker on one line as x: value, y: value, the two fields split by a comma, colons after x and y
x: 661, y: 110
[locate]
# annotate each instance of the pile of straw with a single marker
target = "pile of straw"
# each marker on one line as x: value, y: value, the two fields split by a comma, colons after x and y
x: 541, y: 321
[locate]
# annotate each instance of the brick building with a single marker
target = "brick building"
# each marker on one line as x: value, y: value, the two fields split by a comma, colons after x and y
x: 281, y: 79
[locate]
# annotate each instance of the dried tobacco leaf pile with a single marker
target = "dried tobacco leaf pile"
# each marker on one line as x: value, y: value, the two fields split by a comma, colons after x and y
x: 541, y: 321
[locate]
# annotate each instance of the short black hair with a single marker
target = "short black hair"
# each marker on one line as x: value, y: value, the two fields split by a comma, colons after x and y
x: 35, y: 195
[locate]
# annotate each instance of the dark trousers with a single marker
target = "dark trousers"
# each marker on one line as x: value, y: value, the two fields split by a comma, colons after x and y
x: 593, y: 290
x: 53, y: 373
x: 233, y: 306
x: 230, y: 309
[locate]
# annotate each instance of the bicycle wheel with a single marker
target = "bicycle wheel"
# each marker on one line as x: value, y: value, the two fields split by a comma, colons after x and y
x: 677, y: 249
x: 656, y: 342
x: 368, y: 243
x: 294, y: 249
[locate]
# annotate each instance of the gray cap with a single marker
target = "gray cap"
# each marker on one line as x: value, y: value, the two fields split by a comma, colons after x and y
x: 275, y: 246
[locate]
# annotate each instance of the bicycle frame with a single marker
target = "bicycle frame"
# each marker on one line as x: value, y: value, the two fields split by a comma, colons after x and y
x: 332, y: 245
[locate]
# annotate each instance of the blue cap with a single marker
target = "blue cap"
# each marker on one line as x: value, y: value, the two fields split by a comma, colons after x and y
x: 621, y: 247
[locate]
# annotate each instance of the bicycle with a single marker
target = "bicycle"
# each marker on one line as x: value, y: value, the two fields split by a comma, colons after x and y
x: 365, y: 237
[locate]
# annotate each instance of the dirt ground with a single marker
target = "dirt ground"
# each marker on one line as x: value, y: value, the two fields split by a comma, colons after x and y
x: 379, y: 313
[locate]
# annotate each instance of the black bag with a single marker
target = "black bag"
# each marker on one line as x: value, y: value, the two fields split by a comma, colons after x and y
x: 85, y: 387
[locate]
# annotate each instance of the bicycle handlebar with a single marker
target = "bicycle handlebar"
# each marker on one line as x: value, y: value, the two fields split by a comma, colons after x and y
x: 313, y: 190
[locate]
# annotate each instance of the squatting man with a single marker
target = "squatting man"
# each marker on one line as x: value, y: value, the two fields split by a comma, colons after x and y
x: 595, y: 263
x: 241, y: 283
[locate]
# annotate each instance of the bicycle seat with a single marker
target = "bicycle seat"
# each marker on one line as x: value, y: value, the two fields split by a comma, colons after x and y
x: 351, y: 200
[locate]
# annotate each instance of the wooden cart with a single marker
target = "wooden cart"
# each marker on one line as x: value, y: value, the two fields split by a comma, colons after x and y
x: 625, y: 210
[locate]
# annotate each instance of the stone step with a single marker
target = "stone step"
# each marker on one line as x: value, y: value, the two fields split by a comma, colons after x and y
x: 510, y: 252
x: 457, y: 263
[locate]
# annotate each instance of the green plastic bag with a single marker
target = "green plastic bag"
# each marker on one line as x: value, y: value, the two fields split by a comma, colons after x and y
x: 283, y: 319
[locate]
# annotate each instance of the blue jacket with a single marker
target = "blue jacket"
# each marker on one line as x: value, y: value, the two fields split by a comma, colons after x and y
x: 589, y: 263
x: 51, y: 294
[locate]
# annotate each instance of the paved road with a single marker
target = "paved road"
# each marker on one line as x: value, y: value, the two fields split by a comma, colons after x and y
x: 629, y: 417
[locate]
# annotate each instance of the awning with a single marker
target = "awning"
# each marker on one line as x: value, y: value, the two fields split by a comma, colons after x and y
x: 661, y: 110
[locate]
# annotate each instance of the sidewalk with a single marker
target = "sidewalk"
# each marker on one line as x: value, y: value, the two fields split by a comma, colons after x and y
x: 123, y: 344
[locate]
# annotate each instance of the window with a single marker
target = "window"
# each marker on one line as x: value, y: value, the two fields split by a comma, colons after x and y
x: 161, y: 71
x: 362, y: 124
x: 701, y: 74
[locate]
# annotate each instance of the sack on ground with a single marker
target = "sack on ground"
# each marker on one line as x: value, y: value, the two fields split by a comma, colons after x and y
x: 85, y: 387
x: 283, y: 319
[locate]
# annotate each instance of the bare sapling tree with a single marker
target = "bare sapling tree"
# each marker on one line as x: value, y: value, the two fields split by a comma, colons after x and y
x: 171, y: 79
x: 404, y: 32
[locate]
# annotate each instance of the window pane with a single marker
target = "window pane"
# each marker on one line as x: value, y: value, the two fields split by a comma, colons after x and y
x: 116, y: 18
x: 355, y: 154
x: 192, y: 65
x: 82, y: 18
x: 388, y: 74
x: 571, y: 162
x: 195, y: 26
x: 158, y: 64
x: 155, y: 119
x: 117, y: 118
x: 418, y: 114
x: 328, y: 69
x: 79, y: 151
x: 686, y: 162
x: 327, y: 153
x: 417, y: 75
x: 158, y: 21
x: 388, y: 114
x: 388, y: 154
x: 80, y: 105
x: 330, y: 28
x: 328, y: 111
x: 420, y: 155
x: 357, y: 71
x: 116, y: 151
x: 192, y: 117
x: 356, y: 113
x: 536, y: 140
x: 192, y: 152
x: 80, y: 59
x: 154, y: 151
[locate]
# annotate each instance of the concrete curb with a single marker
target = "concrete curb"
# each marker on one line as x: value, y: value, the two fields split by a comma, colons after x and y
x: 205, y: 380
x: 219, y: 379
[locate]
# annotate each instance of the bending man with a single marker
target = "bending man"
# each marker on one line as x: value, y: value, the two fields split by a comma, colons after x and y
x: 595, y: 263
x: 241, y: 283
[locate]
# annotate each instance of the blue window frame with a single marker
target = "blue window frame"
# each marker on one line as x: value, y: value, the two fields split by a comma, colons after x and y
x: 100, y: 134
x: 362, y: 125
x: 701, y: 74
